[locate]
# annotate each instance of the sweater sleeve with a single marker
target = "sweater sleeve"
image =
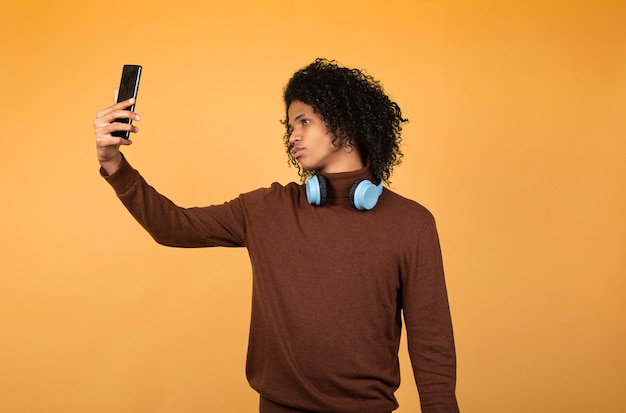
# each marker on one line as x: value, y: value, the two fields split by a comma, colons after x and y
x: 429, y: 326
x: 172, y: 225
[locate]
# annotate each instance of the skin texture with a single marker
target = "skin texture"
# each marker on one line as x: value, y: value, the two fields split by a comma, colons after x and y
x: 315, y: 147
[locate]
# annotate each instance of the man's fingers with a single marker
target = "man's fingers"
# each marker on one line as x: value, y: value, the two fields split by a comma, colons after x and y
x: 118, y: 106
x: 124, y: 104
x: 113, y: 142
x: 108, y: 116
x: 103, y: 128
x: 107, y: 141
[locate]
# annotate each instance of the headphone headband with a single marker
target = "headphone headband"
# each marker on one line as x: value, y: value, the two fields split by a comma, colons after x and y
x: 363, y: 194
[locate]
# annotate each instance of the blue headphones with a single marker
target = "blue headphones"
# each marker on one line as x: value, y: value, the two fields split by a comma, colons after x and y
x: 363, y: 194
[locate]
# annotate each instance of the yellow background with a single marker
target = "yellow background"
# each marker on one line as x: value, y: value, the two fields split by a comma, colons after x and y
x: 516, y: 143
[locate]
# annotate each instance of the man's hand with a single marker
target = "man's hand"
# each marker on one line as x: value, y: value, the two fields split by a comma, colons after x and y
x: 108, y: 146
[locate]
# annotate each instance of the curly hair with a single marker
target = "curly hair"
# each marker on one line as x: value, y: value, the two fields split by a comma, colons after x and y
x: 353, y: 105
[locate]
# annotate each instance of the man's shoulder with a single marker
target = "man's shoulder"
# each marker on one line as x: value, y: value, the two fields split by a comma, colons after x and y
x: 400, y: 204
x: 274, y: 188
x: 273, y: 193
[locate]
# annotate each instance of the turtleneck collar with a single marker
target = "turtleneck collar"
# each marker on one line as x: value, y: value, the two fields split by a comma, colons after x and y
x: 339, y: 184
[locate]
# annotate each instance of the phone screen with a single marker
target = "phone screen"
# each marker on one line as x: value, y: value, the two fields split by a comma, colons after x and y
x: 129, y: 85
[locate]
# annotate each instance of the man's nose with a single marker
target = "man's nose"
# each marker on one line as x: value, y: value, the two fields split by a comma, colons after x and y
x: 294, y: 137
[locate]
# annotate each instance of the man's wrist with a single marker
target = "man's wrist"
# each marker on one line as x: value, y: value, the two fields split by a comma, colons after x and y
x: 113, y: 165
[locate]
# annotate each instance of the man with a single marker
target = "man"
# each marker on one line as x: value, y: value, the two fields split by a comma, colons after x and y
x: 336, y: 261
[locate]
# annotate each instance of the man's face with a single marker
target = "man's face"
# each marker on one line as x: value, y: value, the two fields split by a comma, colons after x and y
x: 312, y: 143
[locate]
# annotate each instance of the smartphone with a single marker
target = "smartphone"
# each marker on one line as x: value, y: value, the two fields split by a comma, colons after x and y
x: 129, y: 85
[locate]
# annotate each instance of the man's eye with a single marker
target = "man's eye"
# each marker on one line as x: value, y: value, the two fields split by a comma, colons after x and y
x: 305, y: 121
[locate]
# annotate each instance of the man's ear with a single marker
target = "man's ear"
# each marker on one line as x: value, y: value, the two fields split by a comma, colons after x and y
x: 347, y: 144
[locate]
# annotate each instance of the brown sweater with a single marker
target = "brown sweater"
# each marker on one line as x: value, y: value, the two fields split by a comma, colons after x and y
x: 329, y: 287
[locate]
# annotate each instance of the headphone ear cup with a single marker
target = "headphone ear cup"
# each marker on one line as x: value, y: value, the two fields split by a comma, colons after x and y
x: 355, y: 185
x: 364, y: 194
x: 316, y: 190
x: 323, y: 189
